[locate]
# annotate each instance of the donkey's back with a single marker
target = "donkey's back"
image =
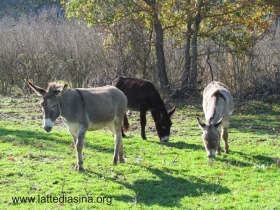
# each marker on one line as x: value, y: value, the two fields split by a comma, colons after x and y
x: 138, y: 92
x: 99, y: 105
x: 212, y: 91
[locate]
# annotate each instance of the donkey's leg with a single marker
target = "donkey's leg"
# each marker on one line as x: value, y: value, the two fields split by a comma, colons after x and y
x: 74, y: 136
x: 118, y: 138
x: 118, y: 149
x: 74, y: 132
x: 219, y: 143
x: 219, y: 148
x: 225, y: 138
x: 119, y: 145
x: 143, y: 123
x: 79, y: 148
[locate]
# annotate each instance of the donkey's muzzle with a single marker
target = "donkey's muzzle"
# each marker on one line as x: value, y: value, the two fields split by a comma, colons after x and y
x: 164, y: 139
x: 48, y: 128
x: 48, y: 125
x: 211, y: 156
x: 211, y: 153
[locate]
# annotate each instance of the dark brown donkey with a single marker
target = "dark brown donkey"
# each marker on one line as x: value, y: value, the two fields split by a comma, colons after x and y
x: 143, y: 96
x: 85, y: 109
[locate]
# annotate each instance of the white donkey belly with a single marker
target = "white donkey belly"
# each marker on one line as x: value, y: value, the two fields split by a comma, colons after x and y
x: 98, y: 126
x: 74, y: 127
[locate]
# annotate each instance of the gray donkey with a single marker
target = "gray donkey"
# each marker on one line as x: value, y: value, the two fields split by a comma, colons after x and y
x: 85, y: 109
x: 217, y: 107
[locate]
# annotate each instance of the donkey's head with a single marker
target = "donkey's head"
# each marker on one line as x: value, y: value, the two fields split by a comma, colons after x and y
x: 211, y: 136
x: 163, y: 125
x: 50, y: 103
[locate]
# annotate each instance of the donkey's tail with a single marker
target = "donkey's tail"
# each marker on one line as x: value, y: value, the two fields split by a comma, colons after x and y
x: 125, y: 126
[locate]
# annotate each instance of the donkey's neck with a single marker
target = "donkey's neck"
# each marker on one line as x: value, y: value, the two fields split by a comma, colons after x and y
x: 71, y: 105
x: 158, y: 103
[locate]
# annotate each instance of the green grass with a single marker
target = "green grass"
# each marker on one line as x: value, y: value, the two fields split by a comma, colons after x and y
x: 173, y: 175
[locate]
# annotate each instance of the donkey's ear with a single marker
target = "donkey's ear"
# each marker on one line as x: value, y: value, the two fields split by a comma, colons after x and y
x: 60, y: 90
x: 171, y: 112
x: 200, y: 123
x: 219, y: 122
x: 38, y: 90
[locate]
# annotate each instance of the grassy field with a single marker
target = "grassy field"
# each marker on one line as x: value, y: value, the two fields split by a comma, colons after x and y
x: 37, y: 168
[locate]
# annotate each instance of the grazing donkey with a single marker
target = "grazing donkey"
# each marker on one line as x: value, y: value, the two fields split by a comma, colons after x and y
x: 143, y: 96
x: 217, y: 107
x: 85, y: 109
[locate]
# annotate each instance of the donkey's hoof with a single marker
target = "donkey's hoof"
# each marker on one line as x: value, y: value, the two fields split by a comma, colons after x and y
x: 115, y: 161
x: 122, y: 160
x: 79, y: 168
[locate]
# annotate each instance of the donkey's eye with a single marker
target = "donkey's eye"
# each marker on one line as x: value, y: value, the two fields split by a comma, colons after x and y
x: 53, y: 107
x: 164, y: 127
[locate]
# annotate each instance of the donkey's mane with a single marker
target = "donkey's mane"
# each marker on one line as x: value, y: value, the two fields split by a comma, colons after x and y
x: 159, y: 110
x: 216, y: 95
x: 53, y: 86
x: 157, y: 101
x: 137, y: 79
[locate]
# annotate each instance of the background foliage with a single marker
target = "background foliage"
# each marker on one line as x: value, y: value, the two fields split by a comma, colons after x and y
x: 241, y: 52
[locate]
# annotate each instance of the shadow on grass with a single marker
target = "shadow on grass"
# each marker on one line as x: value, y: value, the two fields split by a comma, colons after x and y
x: 167, y: 189
x: 253, y: 130
x: 236, y: 163
x: 249, y: 160
x: 182, y: 145
x: 37, y: 138
x: 26, y: 136
x: 263, y: 159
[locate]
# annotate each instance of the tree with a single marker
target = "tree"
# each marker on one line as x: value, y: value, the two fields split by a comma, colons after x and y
x: 159, y: 43
x: 239, y: 23
x: 104, y: 12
